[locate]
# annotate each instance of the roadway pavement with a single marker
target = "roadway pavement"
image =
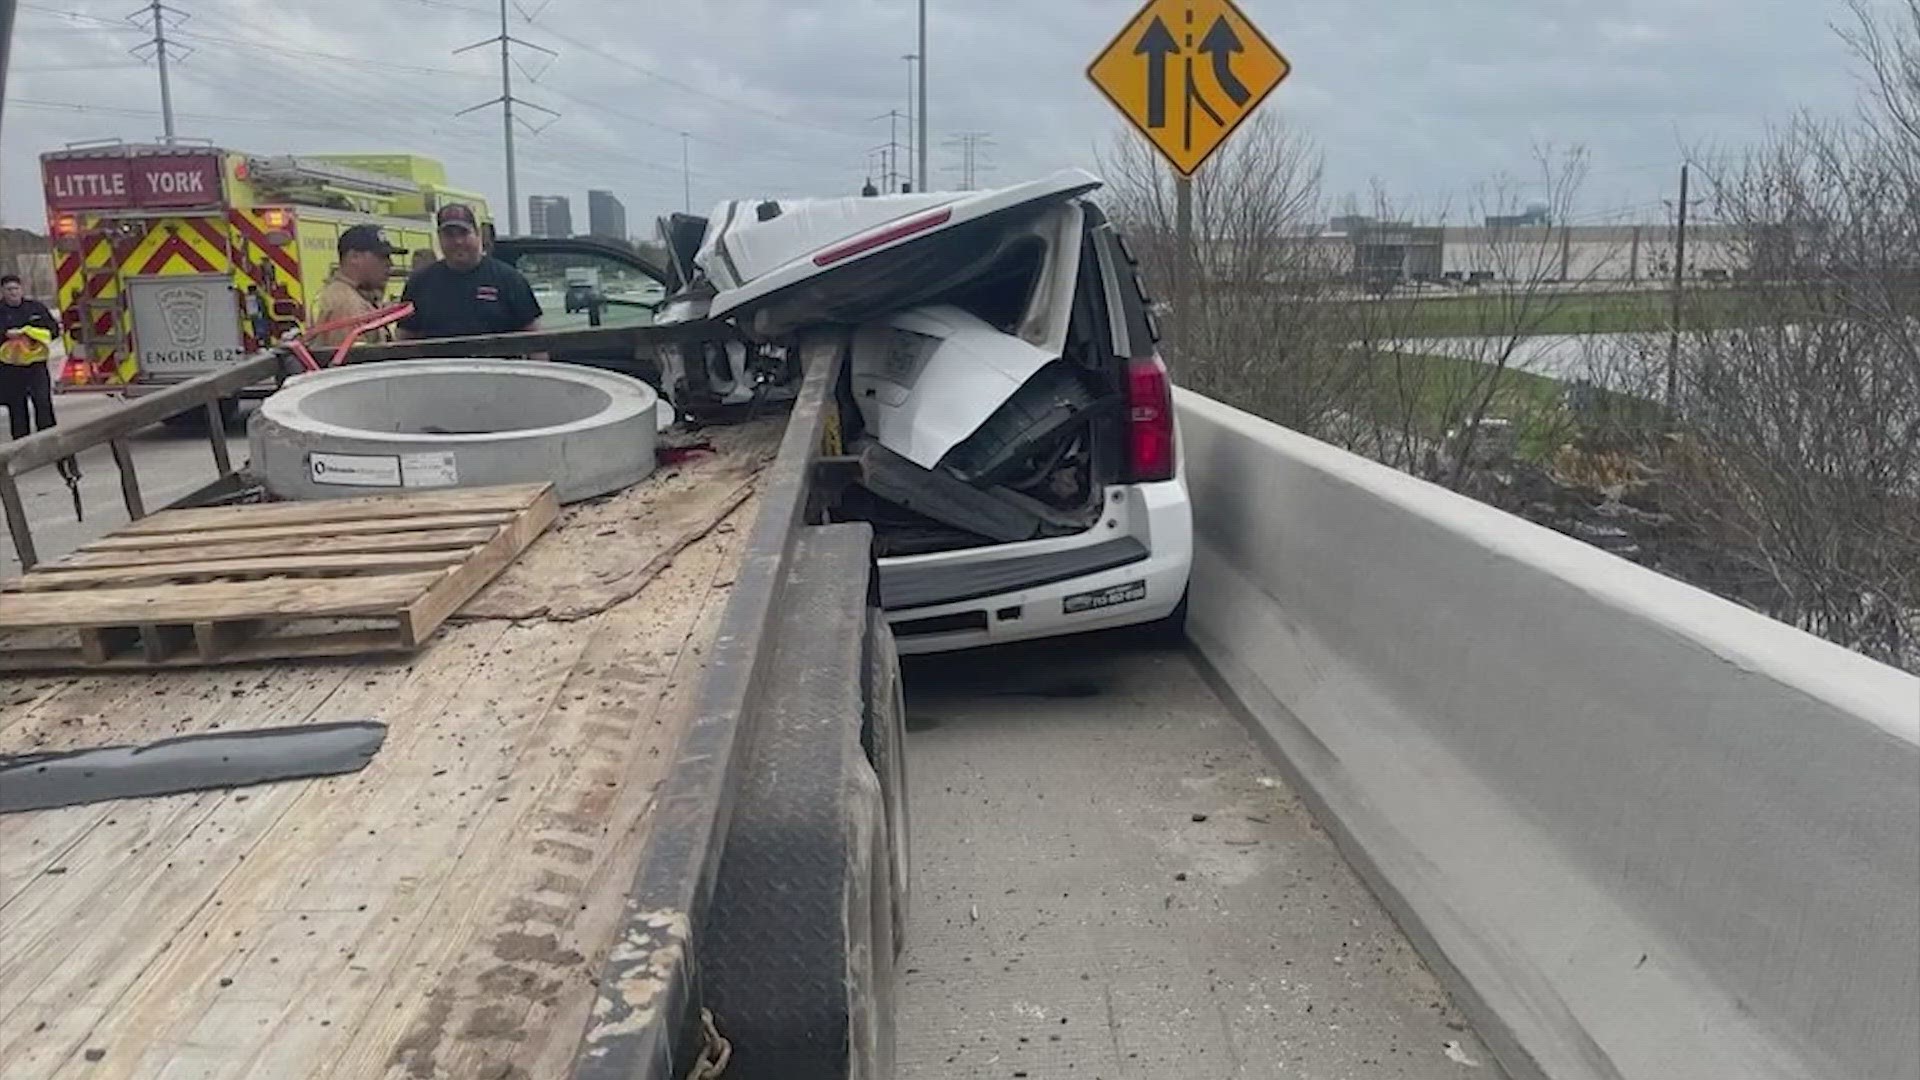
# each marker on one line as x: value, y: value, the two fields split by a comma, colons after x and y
x: 1112, y: 882
x: 170, y: 463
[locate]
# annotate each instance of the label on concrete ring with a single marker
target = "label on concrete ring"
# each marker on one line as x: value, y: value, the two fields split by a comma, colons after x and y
x: 354, y: 470
x: 429, y: 470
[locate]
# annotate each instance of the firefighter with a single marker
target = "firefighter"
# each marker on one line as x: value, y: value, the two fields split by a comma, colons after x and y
x: 357, y: 284
x: 467, y: 292
x: 25, y: 382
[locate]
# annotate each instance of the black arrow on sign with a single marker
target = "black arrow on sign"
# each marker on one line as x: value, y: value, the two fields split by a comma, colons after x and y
x: 1222, y: 42
x: 1157, y: 44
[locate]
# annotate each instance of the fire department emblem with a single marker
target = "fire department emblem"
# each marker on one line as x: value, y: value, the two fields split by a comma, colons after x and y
x: 185, y: 310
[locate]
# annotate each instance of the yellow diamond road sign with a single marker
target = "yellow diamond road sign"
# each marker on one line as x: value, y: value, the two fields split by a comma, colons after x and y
x: 1186, y: 73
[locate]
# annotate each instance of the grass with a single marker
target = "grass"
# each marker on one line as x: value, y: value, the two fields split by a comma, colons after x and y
x: 1476, y: 314
x: 1438, y: 393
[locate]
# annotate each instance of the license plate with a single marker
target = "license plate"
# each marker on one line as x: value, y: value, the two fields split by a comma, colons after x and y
x: 1080, y: 603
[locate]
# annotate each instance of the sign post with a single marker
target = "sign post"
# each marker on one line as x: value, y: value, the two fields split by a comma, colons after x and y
x: 1185, y: 74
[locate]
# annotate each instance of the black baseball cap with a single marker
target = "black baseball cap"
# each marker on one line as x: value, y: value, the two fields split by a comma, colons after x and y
x: 367, y: 238
x: 456, y: 216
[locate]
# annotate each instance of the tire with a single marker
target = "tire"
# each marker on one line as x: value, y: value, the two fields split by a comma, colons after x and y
x: 797, y: 950
x: 885, y: 740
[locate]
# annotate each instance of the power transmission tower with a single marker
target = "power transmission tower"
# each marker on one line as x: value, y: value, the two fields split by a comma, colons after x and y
x: 893, y: 159
x: 970, y: 143
x: 506, y: 101
x: 163, y: 17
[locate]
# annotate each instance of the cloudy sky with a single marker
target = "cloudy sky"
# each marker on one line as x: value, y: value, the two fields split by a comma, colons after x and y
x: 1423, y: 98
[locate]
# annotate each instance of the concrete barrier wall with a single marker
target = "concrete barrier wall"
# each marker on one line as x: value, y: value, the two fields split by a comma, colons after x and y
x: 1642, y: 832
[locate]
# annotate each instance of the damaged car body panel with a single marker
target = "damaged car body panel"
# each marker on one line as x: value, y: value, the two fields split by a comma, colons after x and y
x: 755, y: 252
x: 1002, y: 399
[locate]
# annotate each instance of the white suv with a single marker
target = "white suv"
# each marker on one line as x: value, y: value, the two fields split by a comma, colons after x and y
x: 1019, y: 457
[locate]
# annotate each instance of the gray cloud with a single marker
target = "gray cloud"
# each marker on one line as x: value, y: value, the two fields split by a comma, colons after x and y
x: 1426, y: 99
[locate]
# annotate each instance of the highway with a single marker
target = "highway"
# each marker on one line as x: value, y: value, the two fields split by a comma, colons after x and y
x: 1111, y: 880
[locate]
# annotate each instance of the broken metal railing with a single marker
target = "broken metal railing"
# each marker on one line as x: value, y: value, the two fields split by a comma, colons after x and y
x: 59, y: 444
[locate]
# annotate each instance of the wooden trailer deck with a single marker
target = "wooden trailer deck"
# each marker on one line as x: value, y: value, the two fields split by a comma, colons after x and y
x: 441, y: 913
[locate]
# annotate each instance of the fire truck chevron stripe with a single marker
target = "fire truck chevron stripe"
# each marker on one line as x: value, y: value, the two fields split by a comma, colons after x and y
x: 171, y: 247
x: 257, y: 236
x: 215, y: 237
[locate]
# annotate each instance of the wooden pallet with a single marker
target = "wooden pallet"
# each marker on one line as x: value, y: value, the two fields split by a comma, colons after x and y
x: 234, y: 584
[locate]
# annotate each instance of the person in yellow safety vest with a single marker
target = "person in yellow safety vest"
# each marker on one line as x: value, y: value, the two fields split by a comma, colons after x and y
x: 355, y: 288
x: 25, y: 382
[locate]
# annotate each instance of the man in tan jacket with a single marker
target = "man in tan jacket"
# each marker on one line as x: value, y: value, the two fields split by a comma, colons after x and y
x: 357, y: 284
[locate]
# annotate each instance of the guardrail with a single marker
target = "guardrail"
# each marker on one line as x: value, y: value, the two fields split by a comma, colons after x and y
x: 44, y: 448
x: 1642, y: 832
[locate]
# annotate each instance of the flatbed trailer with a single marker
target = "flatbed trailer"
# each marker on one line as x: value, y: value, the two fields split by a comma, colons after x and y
x: 574, y: 855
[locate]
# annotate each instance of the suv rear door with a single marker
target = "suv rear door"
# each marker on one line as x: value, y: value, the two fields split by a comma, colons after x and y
x: 776, y: 267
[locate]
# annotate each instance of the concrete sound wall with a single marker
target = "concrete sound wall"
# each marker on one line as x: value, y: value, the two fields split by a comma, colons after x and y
x: 1642, y: 832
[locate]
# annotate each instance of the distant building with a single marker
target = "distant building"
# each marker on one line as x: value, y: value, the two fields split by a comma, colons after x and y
x: 1388, y: 253
x: 606, y: 217
x: 550, y: 215
x: 1634, y: 254
x: 1536, y: 216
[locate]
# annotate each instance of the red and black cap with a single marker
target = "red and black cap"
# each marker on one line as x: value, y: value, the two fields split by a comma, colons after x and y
x: 456, y: 216
x: 367, y: 238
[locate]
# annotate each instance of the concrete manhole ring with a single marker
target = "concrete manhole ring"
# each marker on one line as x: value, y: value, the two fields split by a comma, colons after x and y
x: 412, y: 424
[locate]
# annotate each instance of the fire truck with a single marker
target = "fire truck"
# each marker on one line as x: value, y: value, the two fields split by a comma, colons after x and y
x: 172, y: 261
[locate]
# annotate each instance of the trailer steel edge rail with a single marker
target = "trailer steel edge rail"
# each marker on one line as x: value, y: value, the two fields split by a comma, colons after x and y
x: 645, y: 1023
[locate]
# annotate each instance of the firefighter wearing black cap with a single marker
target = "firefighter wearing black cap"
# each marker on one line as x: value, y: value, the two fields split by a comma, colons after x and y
x: 357, y: 283
x: 468, y: 291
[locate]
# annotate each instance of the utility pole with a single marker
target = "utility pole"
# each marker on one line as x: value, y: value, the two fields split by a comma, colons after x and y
x: 1182, y: 256
x: 686, y: 176
x: 924, y: 129
x: 507, y: 101
x: 157, y: 12
x: 1679, y: 287
x: 6, y: 40
x: 920, y: 185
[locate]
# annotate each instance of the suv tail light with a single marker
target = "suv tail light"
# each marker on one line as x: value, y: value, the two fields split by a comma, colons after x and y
x: 898, y: 231
x: 1150, y: 442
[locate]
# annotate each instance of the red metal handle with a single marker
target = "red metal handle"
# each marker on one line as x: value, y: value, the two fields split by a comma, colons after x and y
x: 355, y: 325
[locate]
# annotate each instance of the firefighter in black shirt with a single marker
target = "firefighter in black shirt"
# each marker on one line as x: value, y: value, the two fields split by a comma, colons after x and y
x: 468, y: 291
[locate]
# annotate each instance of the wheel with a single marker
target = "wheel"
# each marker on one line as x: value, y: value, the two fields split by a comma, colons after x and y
x: 797, y: 956
x: 885, y: 740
